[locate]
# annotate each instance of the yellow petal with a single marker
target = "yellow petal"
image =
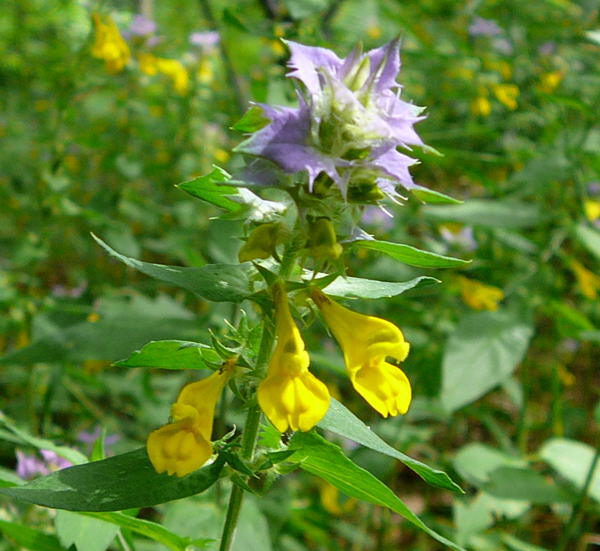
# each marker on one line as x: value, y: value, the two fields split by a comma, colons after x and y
x: 384, y: 386
x: 296, y: 402
x: 178, y: 448
x: 203, y: 396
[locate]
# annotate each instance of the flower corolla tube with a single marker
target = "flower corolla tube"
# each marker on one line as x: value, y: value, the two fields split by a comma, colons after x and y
x: 349, y: 122
x: 184, y: 445
x: 367, y: 342
x: 290, y: 395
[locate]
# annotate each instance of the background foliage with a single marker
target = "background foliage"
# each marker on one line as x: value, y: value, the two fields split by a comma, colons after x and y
x: 505, y: 380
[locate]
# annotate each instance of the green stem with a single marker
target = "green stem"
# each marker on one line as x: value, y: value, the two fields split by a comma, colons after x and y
x: 579, y: 507
x: 249, y: 439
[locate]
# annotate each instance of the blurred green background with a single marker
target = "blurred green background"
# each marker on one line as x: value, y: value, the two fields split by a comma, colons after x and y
x: 102, y: 117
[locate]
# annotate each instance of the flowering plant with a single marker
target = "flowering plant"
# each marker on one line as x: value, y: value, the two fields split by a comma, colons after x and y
x: 310, y: 172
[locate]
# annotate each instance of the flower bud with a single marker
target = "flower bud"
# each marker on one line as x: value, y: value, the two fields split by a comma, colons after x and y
x: 261, y: 242
x: 322, y: 241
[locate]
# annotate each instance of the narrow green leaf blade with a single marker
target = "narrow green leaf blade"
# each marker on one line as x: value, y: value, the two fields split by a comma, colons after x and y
x: 343, y: 422
x: 357, y: 287
x: 171, y: 354
x: 524, y: 484
x: 215, y: 282
x: 435, y: 197
x: 151, y: 530
x: 410, y: 255
x: 121, y: 482
x: 327, y: 461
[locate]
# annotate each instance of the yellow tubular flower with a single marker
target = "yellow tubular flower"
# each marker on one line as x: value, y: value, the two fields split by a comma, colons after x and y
x: 478, y: 295
x: 184, y: 445
x: 588, y: 282
x: 367, y: 342
x: 109, y: 45
x: 290, y: 395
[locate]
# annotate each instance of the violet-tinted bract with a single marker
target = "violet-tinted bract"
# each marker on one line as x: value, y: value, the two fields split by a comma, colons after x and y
x: 348, y: 124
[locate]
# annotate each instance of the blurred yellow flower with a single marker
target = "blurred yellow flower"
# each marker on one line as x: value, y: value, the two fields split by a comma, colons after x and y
x: 566, y: 377
x: 184, y: 445
x: 290, y: 395
x: 109, y: 45
x: 478, y: 295
x: 172, y: 68
x: 506, y: 94
x: 330, y: 500
x: 221, y: 155
x: 374, y: 31
x: 367, y: 342
x: 587, y: 281
x: 550, y: 81
x: 481, y: 106
x: 322, y: 241
x: 592, y: 209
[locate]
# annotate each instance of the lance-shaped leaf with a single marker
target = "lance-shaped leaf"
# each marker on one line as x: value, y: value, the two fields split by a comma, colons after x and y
x: 172, y: 355
x: 358, y: 287
x: 121, y: 482
x: 410, y: 255
x: 343, y: 422
x: 216, y: 282
x: 327, y: 461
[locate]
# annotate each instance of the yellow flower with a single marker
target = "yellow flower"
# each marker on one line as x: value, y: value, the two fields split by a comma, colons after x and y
x: 478, y: 295
x: 588, y: 282
x: 172, y: 68
x: 109, y: 45
x: 481, y: 106
x: 507, y: 94
x: 367, y: 342
x: 592, y: 209
x: 290, y: 395
x: 330, y: 500
x: 184, y: 445
x: 550, y: 81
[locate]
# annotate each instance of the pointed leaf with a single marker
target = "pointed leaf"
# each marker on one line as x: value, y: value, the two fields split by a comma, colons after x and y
x: 410, y: 255
x: 343, y: 422
x: 358, y: 287
x: 327, y: 461
x: 121, y: 482
x: 216, y: 282
x: 172, y: 355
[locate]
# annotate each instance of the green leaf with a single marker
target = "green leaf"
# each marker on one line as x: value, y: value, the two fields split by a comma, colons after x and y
x: 87, y: 534
x: 327, y: 461
x: 589, y: 238
x: 482, y: 212
x: 516, y: 544
x: 254, y: 119
x: 343, y: 422
x: 172, y: 355
x: 357, y: 287
x: 216, y: 282
x: 20, y: 436
x: 573, y: 461
x: 30, y: 538
x: 121, y: 482
x: 524, y: 485
x: 210, y: 188
x: 147, y: 528
x: 410, y: 255
x: 436, y: 197
x: 476, y: 462
x: 482, y: 352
